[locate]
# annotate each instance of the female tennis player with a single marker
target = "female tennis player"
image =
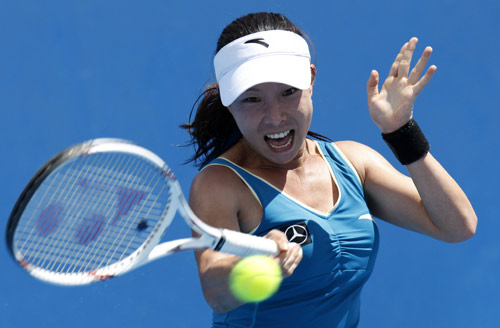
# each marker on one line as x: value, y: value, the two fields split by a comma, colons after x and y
x: 265, y: 173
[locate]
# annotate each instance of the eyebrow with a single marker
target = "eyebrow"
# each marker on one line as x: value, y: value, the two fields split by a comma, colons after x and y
x: 256, y: 88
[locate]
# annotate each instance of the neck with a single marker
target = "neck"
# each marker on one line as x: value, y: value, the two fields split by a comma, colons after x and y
x: 247, y: 157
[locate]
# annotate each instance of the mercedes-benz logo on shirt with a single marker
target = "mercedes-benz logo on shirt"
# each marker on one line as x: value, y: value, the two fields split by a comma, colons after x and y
x: 297, y: 233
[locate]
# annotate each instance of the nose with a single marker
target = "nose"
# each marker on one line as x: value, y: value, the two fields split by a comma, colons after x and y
x: 275, y: 112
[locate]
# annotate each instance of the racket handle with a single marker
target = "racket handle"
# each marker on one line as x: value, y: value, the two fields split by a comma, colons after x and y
x: 244, y: 245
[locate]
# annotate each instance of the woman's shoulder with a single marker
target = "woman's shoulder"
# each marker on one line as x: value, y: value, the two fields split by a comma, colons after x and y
x: 347, y: 144
x: 214, y: 196
x: 214, y: 177
x: 358, y: 152
x: 222, y: 198
x: 350, y: 149
x: 359, y: 155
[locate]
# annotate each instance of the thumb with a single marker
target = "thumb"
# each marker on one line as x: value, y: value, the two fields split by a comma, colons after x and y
x: 372, y: 84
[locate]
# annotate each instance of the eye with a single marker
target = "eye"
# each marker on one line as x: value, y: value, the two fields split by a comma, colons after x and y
x: 289, y: 91
x: 250, y: 100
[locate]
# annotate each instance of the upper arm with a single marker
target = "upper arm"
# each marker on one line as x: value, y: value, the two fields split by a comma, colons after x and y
x: 390, y: 195
x: 213, y: 200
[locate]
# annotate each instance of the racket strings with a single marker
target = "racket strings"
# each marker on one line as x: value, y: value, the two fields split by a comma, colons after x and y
x: 116, y: 231
x: 124, y: 204
x: 37, y: 243
x: 93, y: 236
x: 69, y: 180
x: 79, y: 200
x: 141, y: 215
x: 153, y: 200
x: 100, y: 182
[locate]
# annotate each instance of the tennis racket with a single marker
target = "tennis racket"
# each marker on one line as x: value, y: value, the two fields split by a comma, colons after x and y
x: 99, y: 209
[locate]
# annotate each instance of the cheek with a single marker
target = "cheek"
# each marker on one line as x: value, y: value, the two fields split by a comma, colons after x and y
x: 307, y: 110
x: 244, y: 119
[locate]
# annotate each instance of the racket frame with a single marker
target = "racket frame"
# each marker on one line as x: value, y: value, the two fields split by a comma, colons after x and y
x: 151, y: 249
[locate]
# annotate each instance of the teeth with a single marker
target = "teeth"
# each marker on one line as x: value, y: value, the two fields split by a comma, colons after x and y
x: 278, y: 135
x: 282, y: 146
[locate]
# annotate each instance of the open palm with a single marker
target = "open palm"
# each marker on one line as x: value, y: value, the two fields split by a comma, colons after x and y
x: 392, y: 107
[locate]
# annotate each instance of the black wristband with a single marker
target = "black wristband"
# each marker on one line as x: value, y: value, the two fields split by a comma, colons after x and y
x: 408, y: 143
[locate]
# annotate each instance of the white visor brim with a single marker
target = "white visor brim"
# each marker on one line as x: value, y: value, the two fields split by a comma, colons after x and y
x: 270, y: 56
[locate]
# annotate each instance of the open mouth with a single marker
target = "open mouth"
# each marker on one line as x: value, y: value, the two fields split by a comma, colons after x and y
x: 280, y: 140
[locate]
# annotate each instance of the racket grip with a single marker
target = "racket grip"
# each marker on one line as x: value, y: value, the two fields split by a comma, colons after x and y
x: 242, y: 244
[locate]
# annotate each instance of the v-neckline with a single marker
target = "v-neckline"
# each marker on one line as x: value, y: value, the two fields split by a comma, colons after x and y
x: 333, y: 180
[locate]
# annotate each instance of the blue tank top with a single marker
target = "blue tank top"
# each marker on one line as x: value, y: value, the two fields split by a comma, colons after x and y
x: 339, y: 250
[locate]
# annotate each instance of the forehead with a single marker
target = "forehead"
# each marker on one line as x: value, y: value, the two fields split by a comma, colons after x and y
x: 267, y: 86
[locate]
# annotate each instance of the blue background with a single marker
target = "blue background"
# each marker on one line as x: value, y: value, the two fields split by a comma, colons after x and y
x: 77, y: 70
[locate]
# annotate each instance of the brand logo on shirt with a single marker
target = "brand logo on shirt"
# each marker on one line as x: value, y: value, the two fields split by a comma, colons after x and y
x: 297, y: 233
x: 258, y: 41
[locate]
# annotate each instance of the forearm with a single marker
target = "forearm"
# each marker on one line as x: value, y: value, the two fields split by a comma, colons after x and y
x: 429, y: 201
x: 215, y: 283
x: 214, y: 270
x: 445, y: 202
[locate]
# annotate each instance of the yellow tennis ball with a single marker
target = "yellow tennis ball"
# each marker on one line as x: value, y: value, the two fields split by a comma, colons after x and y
x: 255, y: 278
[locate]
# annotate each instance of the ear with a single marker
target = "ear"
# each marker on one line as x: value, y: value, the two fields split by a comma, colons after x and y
x: 313, y: 77
x: 313, y: 74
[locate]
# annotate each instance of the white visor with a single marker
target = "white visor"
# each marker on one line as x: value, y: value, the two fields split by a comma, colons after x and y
x: 269, y: 56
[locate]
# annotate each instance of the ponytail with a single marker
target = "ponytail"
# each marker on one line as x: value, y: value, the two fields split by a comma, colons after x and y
x: 213, y: 130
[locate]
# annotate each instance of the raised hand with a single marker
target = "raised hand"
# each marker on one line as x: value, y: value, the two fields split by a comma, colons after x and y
x: 392, y: 107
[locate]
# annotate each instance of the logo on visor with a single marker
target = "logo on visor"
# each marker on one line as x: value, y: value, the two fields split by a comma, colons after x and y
x: 297, y: 233
x: 258, y: 41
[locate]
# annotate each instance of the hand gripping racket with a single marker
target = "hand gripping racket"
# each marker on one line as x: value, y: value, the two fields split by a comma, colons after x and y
x: 99, y: 209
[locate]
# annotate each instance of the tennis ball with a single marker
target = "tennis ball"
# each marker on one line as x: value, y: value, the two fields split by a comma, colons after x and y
x: 255, y: 278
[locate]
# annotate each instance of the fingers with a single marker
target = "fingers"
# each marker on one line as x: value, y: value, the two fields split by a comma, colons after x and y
x: 419, y: 67
x: 404, y: 64
x: 291, y: 253
x: 420, y: 85
x: 394, y: 68
x: 280, y: 238
x: 290, y: 259
x: 401, y: 66
x: 372, y: 84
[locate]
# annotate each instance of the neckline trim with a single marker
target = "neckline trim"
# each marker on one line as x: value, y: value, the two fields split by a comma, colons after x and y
x: 333, y: 178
